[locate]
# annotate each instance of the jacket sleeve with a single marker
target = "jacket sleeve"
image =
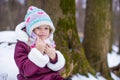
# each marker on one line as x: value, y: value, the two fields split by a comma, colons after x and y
x: 59, y: 64
x: 26, y: 66
x: 38, y: 58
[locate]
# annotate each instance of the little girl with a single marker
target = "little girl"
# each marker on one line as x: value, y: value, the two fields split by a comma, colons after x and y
x: 35, y: 53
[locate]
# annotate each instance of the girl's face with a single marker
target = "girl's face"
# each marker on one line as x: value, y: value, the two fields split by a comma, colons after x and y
x: 42, y: 31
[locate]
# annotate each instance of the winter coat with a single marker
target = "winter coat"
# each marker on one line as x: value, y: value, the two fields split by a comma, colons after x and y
x: 32, y: 64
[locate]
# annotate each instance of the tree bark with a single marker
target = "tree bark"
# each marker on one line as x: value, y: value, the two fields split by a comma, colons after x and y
x: 66, y: 37
x: 97, y: 35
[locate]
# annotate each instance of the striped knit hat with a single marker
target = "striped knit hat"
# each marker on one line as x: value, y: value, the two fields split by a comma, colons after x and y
x: 36, y: 17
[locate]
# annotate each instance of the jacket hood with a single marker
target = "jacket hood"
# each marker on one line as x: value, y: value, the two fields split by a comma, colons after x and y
x: 21, y: 34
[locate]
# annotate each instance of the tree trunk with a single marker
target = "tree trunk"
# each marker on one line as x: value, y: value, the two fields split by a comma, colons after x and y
x: 97, y: 39
x: 119, y: 46
x: 66, y: 37
x: 116, y: 21
x: 11, y: 13
x: 37, y: 3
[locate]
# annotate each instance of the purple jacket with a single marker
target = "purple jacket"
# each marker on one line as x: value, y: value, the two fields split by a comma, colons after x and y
x: 32, y: 64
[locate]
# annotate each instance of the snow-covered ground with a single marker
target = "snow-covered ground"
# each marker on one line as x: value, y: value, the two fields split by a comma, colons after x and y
x: 9, y: 71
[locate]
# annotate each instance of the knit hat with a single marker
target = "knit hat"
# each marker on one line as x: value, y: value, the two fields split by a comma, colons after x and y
x: 36, y: 17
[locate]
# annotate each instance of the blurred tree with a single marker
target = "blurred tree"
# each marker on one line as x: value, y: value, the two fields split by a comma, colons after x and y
x: 2, y: 9
x: 62, y: 13
x: 97, y: 36
x: 11, y: 13
x: 119, y: 46
x: 80, y: 16
x: 116, y: 20
x: 38, y: 3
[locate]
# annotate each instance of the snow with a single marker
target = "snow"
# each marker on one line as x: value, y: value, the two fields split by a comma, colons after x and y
x: 9, y: 70
x: 90, y: 77
x: 113, y: 59
x: 7, y: 64
x: 8, y: 36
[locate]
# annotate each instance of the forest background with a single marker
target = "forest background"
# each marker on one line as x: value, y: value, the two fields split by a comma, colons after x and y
x: 96, y: 22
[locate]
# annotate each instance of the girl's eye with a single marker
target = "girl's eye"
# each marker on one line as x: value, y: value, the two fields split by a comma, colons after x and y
x: 37, y: 28
x: 46, y: 28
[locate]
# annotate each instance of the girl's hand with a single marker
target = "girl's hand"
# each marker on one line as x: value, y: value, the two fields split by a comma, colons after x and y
x: 50, y: 51
x: 40, y: 45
